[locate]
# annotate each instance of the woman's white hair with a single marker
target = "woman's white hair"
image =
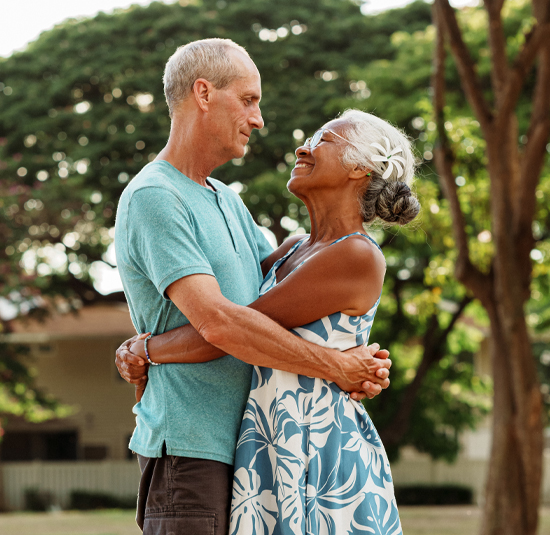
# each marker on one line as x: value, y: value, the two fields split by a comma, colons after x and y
x: 363, y: 129
x: 206, y: 58
x: 389, y: 198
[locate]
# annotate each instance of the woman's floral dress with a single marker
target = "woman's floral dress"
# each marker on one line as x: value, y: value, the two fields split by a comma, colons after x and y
x: 309, y: 461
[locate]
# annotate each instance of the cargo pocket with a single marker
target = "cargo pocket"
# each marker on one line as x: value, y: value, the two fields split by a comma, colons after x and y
x: 180, y: 523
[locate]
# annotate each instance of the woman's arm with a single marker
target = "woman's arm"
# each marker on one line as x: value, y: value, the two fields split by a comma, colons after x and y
x: 345, y: 277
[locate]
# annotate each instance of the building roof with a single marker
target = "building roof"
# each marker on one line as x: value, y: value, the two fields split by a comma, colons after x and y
x: 97, y: 321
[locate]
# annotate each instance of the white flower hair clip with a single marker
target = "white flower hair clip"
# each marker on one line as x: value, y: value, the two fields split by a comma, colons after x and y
x: 390, y: 157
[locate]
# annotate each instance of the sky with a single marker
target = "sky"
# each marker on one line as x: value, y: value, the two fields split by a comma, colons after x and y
x: 22, y: 21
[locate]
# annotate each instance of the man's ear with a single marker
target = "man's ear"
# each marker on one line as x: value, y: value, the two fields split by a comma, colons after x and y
x: 203, y: 90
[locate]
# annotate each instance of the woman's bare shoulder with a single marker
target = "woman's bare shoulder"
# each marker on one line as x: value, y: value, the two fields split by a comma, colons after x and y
x: 346, y: 276
x: 360, y: 252
x: 357, y: 267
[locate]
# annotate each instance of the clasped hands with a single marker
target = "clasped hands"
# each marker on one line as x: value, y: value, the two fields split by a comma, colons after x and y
x: 365, y: 374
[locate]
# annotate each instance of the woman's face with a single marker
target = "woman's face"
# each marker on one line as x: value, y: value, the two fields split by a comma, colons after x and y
x: 319, y: 167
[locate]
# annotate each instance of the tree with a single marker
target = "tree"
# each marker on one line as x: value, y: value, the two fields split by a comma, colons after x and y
x: 81, y: 116
x: 513, y: 486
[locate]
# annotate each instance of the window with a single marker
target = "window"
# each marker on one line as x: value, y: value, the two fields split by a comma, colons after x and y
x: 95, y: 453
x: 43, y: 446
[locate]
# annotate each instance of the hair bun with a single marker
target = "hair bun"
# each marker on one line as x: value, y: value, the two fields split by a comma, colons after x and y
x: 396, y: 203
x: 401, y: 190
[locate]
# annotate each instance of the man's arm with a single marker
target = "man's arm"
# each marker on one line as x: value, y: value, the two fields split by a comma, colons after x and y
x: 254, y: 338
x: 185, y: 345
x: 338, y: 275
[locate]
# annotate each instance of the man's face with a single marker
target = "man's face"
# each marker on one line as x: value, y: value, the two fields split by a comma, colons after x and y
x: 237, y: 109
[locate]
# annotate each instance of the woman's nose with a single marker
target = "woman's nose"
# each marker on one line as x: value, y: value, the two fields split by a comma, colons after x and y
x: 304, y: 150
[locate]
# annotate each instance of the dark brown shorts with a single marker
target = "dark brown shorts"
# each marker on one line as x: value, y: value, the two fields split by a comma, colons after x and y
x: 183, y: 496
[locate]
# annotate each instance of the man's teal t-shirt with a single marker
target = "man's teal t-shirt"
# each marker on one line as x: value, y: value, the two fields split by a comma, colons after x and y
x: 169, y: 227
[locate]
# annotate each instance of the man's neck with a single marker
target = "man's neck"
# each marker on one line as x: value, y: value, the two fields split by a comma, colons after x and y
x: 189, y: 153
x: 187, y: 165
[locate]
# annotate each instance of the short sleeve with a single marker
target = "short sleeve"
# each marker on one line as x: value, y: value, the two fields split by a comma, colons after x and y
x: 161, y: 238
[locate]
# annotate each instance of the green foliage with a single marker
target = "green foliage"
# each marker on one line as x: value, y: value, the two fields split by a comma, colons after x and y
x: 18, y: 393
x: 408, y: 73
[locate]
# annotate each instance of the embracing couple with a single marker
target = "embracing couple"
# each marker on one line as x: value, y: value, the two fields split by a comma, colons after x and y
x: 252, y: 363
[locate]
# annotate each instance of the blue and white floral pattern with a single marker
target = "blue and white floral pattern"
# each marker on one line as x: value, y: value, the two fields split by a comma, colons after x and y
x: 309, y: 460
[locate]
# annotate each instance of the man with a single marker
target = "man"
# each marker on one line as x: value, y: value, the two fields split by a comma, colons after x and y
x: 189, y: 251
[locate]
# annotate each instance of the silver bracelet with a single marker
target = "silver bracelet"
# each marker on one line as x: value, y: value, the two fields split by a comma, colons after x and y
x: 147, y: 352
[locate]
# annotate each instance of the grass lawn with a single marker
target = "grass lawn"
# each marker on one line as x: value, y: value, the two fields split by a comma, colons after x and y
x: 460, y: 520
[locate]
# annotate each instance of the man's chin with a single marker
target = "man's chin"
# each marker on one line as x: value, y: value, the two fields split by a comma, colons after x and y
x: 238, y: 154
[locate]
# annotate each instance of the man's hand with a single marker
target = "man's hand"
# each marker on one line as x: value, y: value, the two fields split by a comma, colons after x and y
x: 372, y: 366
x: 131, y: 365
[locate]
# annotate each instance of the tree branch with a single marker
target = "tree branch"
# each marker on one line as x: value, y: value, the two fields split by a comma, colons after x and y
x: 466, y: 68
x: 541, y: 9
x: 465, y: 271
x: 497, y: 43
x: 494, y: 4
x: 522, y: 64
x: 537, y: 137
x: 456, y: 316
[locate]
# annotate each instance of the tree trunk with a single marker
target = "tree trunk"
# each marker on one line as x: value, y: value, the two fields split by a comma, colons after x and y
x: 515, y: 468
x: 2, y: 497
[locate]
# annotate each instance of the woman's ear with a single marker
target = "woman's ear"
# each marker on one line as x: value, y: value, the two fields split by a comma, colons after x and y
x: 359, y: 172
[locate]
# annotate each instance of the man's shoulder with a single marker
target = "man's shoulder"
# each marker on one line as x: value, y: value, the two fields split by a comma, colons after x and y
x: 153, y: 176
x: 151, y: 198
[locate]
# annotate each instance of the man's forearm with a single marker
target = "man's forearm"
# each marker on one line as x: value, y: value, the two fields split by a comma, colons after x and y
x: 252, y: 340
x: 186, y: 345
x: 256, y: 339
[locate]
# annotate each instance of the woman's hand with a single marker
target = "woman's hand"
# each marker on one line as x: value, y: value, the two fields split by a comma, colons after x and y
x: 375, y: 371
x: 132, y: 364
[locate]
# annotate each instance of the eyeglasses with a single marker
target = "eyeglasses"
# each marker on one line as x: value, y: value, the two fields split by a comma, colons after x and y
x: 314, y: 140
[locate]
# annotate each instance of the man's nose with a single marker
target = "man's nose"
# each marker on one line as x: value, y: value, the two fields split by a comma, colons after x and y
x: 256, y: 120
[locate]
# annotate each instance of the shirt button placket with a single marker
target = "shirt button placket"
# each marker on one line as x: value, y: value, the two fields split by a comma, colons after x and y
x: 227, y: 220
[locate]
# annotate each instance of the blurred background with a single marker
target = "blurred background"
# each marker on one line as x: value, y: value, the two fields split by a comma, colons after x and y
x: 82, y: 111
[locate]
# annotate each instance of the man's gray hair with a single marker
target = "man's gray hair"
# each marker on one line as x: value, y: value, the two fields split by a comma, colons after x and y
x: 208, y: 59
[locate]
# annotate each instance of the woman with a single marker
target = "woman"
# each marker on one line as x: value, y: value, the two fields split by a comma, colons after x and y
x: 309, y: 460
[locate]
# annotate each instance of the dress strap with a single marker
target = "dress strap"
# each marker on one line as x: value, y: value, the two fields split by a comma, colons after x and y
x: 357, y: 234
